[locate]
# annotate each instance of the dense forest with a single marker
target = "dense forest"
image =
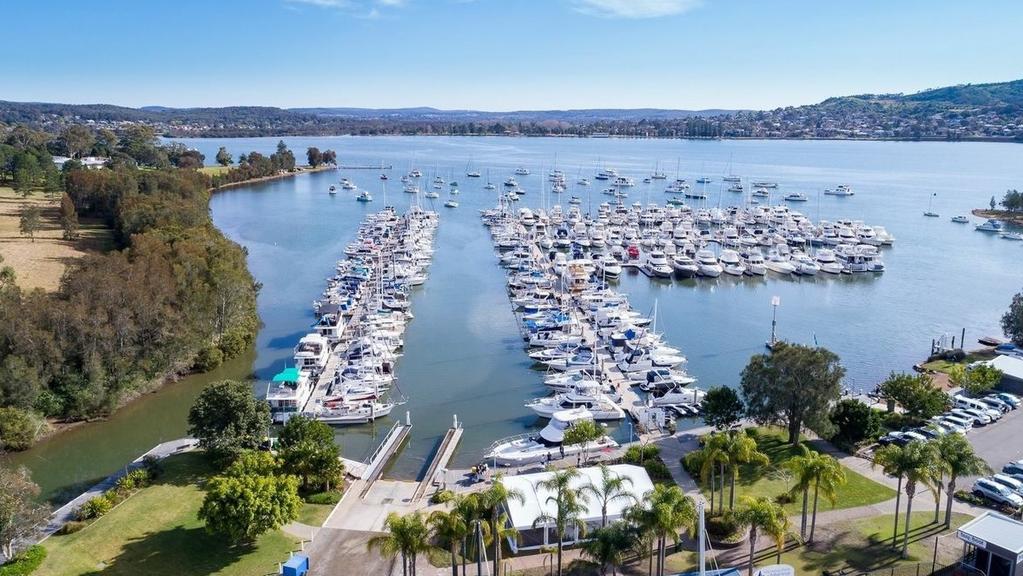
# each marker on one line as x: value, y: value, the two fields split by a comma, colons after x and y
x: 174, y: 295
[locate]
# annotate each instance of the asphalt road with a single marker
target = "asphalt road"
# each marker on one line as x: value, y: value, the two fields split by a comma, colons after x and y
x: 1000, y: 442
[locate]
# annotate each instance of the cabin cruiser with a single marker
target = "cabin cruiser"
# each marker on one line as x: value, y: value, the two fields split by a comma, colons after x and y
x: 522, y: 171
x: 354, y: 412
x: 608, y: 266
x: 623, y: 181
x: 660, y: 379
x: 731, y: 264
x: 763, y: 184
x: 644, y: 359
x: 287, y: 393
x: 685, y: 266
x: 827, y: 263
x: 796, y: 197
x: 754, y: 262
x: 312, y: 353
x: 511, y: 182
x: 960, y: 219
x: 680, y: 396
x: 990, y: 226
x: 779, y: 263
x: 841, y: 190
x: 588, y: 396
x: 657, y: 265
x: 547, y: 444
x: 708, y: 264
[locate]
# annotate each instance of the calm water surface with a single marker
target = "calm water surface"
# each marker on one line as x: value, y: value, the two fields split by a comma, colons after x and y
x: 462, y: 351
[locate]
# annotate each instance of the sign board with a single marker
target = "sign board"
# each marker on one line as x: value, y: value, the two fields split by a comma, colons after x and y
x: 971, y: 539
x: 777, y: 570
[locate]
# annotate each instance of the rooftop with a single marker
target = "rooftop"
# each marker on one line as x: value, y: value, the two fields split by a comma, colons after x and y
x: 994, y: 529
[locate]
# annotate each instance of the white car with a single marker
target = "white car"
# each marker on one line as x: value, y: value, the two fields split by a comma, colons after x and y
x: 988, y: 488
x: 965, y: 423
x: 979, y: 418
x: 1013, y: 469
x: 949, y: 425
x: 1009, y: 482
x: 996, y: 403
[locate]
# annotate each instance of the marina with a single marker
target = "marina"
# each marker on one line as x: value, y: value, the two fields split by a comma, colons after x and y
x: 464, y: 352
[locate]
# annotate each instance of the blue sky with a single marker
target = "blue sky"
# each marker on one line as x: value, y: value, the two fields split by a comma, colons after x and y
x: 500, y: 54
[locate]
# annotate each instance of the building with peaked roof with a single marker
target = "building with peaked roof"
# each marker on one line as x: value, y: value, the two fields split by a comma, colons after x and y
x: 993, y: 544
x: 536, y: 504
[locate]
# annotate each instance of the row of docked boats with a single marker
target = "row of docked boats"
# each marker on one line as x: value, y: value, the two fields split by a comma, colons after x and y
x: 344, y: 370
x: 594, y: 346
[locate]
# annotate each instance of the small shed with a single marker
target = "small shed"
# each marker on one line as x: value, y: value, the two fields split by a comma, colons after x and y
x: 993, y: 544
x: 297, y: 565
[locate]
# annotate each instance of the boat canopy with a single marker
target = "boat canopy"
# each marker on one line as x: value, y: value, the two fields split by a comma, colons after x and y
x: 287, y: 375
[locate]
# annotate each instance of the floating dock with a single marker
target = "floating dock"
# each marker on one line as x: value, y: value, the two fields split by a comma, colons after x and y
x: 392, y: 441
x: 440, y: 460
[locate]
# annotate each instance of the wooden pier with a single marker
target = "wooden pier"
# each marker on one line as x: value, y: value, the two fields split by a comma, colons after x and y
x: 440, y: 460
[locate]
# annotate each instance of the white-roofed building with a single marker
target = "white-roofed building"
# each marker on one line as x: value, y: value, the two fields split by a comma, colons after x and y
x: 993, y: 544
x: 1012, y: 373
x: 522, y: 515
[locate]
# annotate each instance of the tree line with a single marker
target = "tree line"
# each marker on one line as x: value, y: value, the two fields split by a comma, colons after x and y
x: 174, y: 295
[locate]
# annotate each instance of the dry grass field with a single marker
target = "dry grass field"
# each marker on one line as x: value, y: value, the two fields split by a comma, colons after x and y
x: 40, y: 264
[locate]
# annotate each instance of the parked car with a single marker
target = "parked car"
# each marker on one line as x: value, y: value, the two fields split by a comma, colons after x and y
x: 1009, y: 482
x: 996, y: 403
x: 978, y: 417
x: 930, y: 431
x: 991, y: 490
x: 1013, y: 469
x: 1011, y: 399
x: 950, y: 425
x: 965, y: 423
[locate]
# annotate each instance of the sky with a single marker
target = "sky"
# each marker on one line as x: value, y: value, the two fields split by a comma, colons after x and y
x: 500, y: 54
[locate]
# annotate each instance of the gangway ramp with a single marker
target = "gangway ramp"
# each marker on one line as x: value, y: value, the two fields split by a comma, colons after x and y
x: 440, y: 460
x: 395, y: 437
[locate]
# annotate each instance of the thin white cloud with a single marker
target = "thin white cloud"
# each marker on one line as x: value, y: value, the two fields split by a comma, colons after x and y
x: 634, y: 8
x: 393, y: 3
x: 324, y: 3
x: 367, y: 6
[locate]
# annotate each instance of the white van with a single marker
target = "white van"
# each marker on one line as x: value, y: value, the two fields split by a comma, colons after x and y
x: 964, y: 402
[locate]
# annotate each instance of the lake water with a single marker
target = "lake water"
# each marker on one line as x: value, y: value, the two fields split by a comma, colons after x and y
x: 462, y: 351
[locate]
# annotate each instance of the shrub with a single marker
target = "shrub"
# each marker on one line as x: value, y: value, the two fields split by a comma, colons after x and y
x: 209, y: 358
x: 442, y: 497
x: 153, y: 467
x: 898, y: 421
x: 854, y: 422
x: 25, y: 562
x: 95, y: 508
x: 331, y: 497
x: 724, y: 528
x: 638, y: 453
x: 235, y: 342
x: 783, y: 498
x: 18, y: 428
x: 693, y: 463
x: 140, y: 477
x: 71, y: 527
x: 657, y: 470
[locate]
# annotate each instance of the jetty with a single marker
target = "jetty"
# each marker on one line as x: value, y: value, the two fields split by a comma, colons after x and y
x: 395, y: 437
x: 440, y: 459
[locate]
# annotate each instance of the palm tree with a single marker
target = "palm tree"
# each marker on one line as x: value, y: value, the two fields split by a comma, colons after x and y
x: 956, y: 458
x: 761, y: 514
x: 467, y: 507
x: 890, y: 459
x: 491, y: 500
x: 567, y: 503
x: 670, y: 512
x: 739, y: 448
x: 827, y: 475
x: 714, y: 458
x: 451, y: 528
x: 612, y: 487
x: 406, y: 535
x: 802, y: 467
x: 640, y: 518
x: 915, y: 463
x: 609, y: 546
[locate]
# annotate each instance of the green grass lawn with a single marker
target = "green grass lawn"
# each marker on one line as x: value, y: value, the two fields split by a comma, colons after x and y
x: 944, y: 366
x: 864, y: 544
x: 156, y: 532
x: 214, y: 170
x: 773, y: 481
x: 314, y: 514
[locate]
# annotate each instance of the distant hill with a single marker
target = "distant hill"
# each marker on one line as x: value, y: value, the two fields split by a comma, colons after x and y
x: 968, y: 111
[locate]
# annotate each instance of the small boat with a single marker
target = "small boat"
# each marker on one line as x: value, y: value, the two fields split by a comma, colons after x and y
x: 703, y: 180
x: 332, y: 190
x: 383, y: 176
x: 575, y: 200
x: 841, y: 190
x: 451, y: 204
x: 522, y: 171
x: 364, y: 196
x: 796, y: 197
x: 737, y: 188
x: 432, y: 195
x: 990, y: 226
x: 511, y: 182
x: 489, y: 186
x: 960, y: 219
x: 931, y: 214
x: 583, y: 182
x: 763, y: 184
x: 1017, y: 236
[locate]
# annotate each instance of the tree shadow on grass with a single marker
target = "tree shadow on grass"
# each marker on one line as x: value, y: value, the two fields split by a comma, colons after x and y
x: 178, y: 551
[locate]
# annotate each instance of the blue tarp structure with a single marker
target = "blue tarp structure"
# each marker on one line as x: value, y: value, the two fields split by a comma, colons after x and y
x: 297, y: 565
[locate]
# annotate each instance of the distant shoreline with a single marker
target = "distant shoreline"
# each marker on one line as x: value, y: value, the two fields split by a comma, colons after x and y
x: 992, y: 139
x: 1015, y: 218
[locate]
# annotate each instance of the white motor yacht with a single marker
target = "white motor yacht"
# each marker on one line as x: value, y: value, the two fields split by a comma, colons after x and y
x: 678, y: 395
x: 708, y: 264
x: 354, y: 413
x: 609, y: 266
x: 311, y: 353
x: 656, y: 264
x: 990, y: 226
x: 827, y: 263
x: 545, y: 445
x: 805, y: 266
x: 779, y: 263
x: 731, y: 264
x: 754, y: 261
x: 288, y: 393
x: 841, y: 190
x: 685, y: 266
x: 600, y: 405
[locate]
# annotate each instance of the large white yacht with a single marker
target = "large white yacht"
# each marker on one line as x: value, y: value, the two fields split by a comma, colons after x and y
x: 708, y: 264
x: 731, y: 263
x: 311, y: 353
x: 656, y: 264
x: 585, y: 395
x: 546, y: 444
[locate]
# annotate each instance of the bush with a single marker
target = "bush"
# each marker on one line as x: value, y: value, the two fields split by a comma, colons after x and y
x: 854, y: 422
x: 95, y: 508
x: 209, y: 358
x: 442, y: 497
x: 638, y: 453
x: 898, y: 421
x: 235, y: 342
x: 783, y: 498
x: 153, y: 467
x: 71, y: 527
x: 724, y: 528
x: 693, y: 463
x: 25, y: 562
x: 657, y: 470
x: 332, y: 497
x: 18, y: 428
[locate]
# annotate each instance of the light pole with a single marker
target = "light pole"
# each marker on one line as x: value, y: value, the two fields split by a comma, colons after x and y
x: 775, y: 302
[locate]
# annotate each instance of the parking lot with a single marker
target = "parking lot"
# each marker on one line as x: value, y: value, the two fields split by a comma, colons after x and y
x: 1000, y: 442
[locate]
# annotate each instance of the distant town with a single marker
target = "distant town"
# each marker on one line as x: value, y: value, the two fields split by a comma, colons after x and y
x: 964, y: 112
